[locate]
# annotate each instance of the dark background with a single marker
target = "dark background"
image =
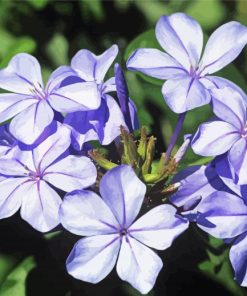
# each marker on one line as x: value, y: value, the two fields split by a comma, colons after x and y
x: 31, y: 263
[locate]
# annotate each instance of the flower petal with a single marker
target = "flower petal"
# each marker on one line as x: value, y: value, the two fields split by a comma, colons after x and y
x: 28, y: 125
x: 181, y: 36
x: 223, y: 169
x: 214, y: 138
x: 93, y: 258
x: 12, y: 193
x: 211, y: 82
x: 12, y: 167
x: 155, y: 63
x: 234, y: 37
x: 111, y: 127
x: 40, y: 206
x: 71, y: 173
x: 58, y: 76
x: 185, y: 93
x: 21, y: 75
x: 229, y: 106
x: 238, y: 160
x: 81, y: 96
x: 159, y: 227
x: 91, y: 67
x: 138, y: 265
x: 227, y: 212
x: 200, y: 182
x: 51, y: 148
x: 84, y: 213
x: 238, y: 258
x: 12, y: 104
x: 102, y: 124
x: 123, y: 192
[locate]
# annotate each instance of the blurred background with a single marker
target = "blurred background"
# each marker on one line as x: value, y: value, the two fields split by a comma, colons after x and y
x: 33, y: 264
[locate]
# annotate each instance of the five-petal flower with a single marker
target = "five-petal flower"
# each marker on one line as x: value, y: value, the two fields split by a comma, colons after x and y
x: 112, y: 234
x: 27, y: 175
x: 226, y: 134
x: 187, y: 76
x: 104, y: 123
x: 31, y: 104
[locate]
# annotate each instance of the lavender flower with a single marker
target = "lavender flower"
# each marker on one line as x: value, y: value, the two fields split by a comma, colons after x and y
x: 227, y: 216
x: 187, y: 76
x: 31, y: 104
x: 228, y: 133
x: 113, y: 236
x: 101, y: 124
x: 25, y: 180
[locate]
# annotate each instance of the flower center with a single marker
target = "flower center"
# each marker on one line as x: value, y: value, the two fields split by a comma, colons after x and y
x: 123, y: 232
x: 35, y: 176
x: 195, y: 72
x: 38, y: 92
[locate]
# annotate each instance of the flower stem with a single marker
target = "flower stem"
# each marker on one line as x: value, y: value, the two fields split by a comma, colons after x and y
x: 175, y: 135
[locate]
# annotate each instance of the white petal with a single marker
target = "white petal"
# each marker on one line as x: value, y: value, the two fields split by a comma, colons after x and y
x: 40, y: 206
x: 81, y: 96
x: 21, y: 75
x: 12, y: 104
x: 91, y: 67
x: 28, y: 125
x: 12, y: 192
x: 159, y: 227
x: 71, y: 173
x: 138, y: 265
x: 123, y: 192
x: 12, y: 167
x: 229, y: 106
x: 181, y: 36
x: 214, y: 138
x: 185, y: 93
x: 84, y: 213
x: 155, y: 63
x: 52, y: 147
x: 93, y: 258
x: 223, y: 46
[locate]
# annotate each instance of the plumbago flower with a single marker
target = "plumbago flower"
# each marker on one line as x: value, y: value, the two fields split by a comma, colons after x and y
x: 227, y: 134
x: 101, y: 124
x: 221, y: 211
x: 187, y: 75
x: 31, y: 104
x: 226, y: 214
x: 112, y: 234
x: 26, y: 178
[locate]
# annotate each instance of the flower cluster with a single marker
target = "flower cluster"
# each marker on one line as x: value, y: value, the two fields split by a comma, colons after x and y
x: 46, y: 141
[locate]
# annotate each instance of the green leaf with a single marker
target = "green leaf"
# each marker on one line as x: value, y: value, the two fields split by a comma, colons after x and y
x: 57, y: 49
x: 15, y: 283
x: 218, y: 268
x: 7, y: 263
x: 38, y: 4
x: 215, y: 12
x: 22, y: 44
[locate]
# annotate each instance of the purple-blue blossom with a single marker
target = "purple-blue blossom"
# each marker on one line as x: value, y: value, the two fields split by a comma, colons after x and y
x: 186, y: 72
x: 222, y: 209
x: 112, y: 234
x: 28, y: 178
x: 104, y: 123
x: 31, y: 105
x: 227, y: 133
